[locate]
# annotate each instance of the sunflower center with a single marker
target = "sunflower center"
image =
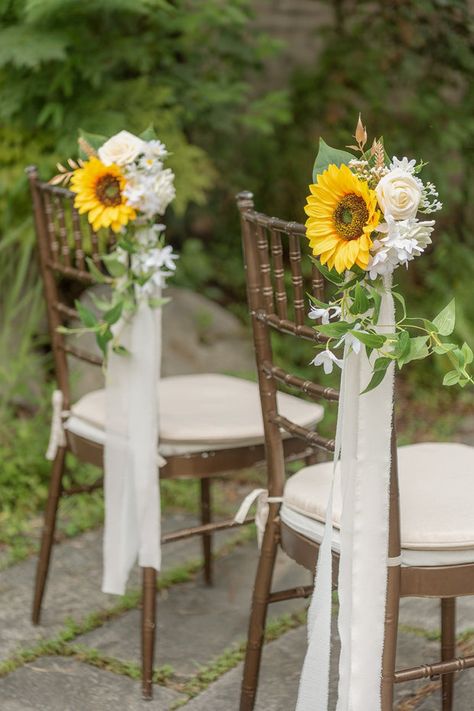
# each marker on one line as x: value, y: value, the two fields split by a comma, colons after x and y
x: 350, y: 216
x: 107, y: 190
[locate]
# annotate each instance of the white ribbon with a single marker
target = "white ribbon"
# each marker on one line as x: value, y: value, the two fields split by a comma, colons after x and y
x: 131, y: 464
x: 57, y: 436
x: 261, y: 514
x: 362, y: 460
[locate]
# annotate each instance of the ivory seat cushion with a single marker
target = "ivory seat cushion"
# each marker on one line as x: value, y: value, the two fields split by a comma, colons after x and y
x: 436, y: 503
x: 198, y: 410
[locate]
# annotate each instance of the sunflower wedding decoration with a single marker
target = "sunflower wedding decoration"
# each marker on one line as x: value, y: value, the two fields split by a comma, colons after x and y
x: 121, y: 184
x: 366, y: 217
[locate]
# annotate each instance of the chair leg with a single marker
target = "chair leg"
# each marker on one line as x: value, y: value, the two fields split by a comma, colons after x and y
x: 47, y: 537
x: 448, y: 649
x: 206, y: 537
x: 256, y: 631
x: 148, y: 630
x: 390, y: 642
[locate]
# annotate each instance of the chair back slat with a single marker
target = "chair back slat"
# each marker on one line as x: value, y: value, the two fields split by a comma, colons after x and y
x: 57, y: 202
x: 296, y: 278
x: 279, y: 273
x: 64, y: 241
x: 265, y: 269
x: 285, y: 293
x: 317, y: 284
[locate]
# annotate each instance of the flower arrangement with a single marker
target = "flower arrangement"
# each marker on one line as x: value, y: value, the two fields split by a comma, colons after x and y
x: 366, y: 217
x: 121, y: 184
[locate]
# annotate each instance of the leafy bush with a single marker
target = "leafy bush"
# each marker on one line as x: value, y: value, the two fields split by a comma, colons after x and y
x: 186, y: 66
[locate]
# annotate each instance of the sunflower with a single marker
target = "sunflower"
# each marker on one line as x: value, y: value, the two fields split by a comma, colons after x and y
x: 342, y: 214
x: 99, y: 192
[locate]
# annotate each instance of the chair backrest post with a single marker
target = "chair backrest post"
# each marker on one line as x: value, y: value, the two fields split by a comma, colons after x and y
x: 263, y: 351
x: 50, y: 287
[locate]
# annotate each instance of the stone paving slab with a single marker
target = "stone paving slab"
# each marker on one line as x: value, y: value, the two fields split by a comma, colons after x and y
x: 426, y: 613
x: 281, y: 666
x: 463, y: 695
x: 196, y: 623
x: 63, y: 684
x: 73, y: 588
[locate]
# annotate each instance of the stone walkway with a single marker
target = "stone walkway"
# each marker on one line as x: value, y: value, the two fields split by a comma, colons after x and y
x: 86, y: 654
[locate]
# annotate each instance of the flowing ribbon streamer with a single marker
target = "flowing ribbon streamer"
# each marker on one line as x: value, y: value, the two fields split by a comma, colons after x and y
x: 362, y: 470
x: 131, y: 464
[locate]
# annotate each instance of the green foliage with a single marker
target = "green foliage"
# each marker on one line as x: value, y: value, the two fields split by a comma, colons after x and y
x: 407, y: 66
x: 187, y: 68
x: 327, y: 156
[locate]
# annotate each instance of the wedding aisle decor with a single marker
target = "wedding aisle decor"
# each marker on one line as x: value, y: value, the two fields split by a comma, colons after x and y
x: 368, y: 214
x: 123, y: 188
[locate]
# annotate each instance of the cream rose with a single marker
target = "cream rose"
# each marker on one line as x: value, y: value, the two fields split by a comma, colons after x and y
x: 121, y: 149
x: 399, y: 194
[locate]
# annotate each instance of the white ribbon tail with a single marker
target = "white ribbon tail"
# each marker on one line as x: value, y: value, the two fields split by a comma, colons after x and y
x: 57, y: 436
x: 261, y: 514
x: 131, y: 459
x: 363, y: 439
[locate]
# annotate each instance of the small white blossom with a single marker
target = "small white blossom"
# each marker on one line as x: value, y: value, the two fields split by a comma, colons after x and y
x: 327, y: 359
x: 324, y: 314
x: 403, y: 241
x: 350, y: 340
x: 404, y: 164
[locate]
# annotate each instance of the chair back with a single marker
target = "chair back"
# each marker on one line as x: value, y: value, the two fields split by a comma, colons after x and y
x: 65, y: 239
x: 277, y: 287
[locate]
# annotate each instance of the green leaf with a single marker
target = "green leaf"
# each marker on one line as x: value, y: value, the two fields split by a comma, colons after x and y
x: 451, y: 378
x: 376, y: 297
x: 120, y: 350
x: 380, y: 369
x: 468, y: 354
x: 88, y: 317
x: 353, y: 281
x: 103, y: 339
x: 418, y: 350
x: 96, y: 273
x: 149, y: 134
x: 114, y: 267
x: 328, y: 156
x: 403, y: 345
x: 430, y: 325
x: 329, y: 275
x: 317, y: 302
x: 373, y: 340
x: 336, y: 329
x: 444, y: 348
x: 445, y: 320
x: 361, y: 302
x: 112, y: 315
x: 158, y: 303
x: 93, y: 139
x: 398, y: 297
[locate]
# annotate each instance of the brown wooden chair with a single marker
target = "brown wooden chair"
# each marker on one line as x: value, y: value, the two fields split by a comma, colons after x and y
x: 210, y: 424
x: 435, y: 538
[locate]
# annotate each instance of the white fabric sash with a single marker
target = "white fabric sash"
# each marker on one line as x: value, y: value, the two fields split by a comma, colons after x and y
x: 362, y: 470
x: 131, y: 463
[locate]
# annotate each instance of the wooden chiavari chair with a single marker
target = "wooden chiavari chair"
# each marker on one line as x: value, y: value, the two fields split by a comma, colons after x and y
x: 431, y: 521
x: 210, y: 424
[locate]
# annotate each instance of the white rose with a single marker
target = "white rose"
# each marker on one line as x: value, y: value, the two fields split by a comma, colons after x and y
x: 121, y: 149
x: 399, y: 194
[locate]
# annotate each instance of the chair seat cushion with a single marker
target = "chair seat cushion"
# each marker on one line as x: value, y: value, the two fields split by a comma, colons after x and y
x: 436, y: 501
x: 200, y: 409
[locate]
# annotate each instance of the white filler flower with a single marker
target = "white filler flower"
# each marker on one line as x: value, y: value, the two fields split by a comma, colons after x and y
x: 327, y: 359
x: 403, y: 241
x: 399, y: 194
x: 324, y: 314
x: 121, y: 149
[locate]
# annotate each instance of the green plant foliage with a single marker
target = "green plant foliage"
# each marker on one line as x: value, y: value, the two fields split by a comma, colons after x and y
x: 188, y: 68
x: 407, y: 66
